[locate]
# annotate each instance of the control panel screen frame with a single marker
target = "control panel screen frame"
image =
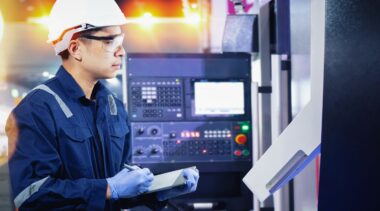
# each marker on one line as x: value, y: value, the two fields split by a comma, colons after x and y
x: 190, y: 101
x: 218, y: 98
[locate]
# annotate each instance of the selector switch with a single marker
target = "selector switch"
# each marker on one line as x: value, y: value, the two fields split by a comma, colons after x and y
x: 241, y: 139
x: 155, y: 150
x: 140, y: 151
x: 141, y: 131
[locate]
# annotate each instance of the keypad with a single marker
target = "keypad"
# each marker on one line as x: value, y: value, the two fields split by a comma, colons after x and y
x: 153, y: 113
x: 156, y: 96
x: 197, y: 147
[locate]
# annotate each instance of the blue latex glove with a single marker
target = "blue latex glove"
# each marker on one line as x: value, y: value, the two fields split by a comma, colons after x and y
x: 128, y: 184
x: 191, y: 175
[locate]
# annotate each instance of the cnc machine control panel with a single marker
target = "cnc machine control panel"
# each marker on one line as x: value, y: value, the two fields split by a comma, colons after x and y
x: 191, y: 108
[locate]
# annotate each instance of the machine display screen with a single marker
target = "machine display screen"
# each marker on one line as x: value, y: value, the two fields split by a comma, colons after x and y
x: 218, y: 98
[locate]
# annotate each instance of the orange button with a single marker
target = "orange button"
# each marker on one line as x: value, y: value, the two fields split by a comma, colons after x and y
x: 241, y: 139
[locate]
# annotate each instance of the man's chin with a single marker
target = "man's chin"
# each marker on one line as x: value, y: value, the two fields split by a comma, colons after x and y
x: 107, y: 77
x: 111, y: 74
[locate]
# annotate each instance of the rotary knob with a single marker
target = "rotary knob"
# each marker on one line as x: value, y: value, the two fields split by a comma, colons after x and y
x: 140, y: 131
x: 140, y: 151
x: 154, y: 149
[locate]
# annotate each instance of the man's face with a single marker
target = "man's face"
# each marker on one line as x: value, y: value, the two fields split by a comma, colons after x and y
x: 103, y: 52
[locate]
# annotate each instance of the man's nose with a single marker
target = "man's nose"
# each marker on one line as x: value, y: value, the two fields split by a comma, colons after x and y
x: 120, y: 52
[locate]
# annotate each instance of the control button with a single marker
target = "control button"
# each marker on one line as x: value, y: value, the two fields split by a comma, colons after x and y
x: 245, y: 128
x: 237, y: 153
x: 204, y: 151
x: 246, y: 152
x: 141, y: 131
x: 154, y: 131
x: 173, y: 135
x: 241, y: 139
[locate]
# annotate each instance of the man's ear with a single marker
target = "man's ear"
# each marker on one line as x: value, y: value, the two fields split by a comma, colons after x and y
x: 75, y: 50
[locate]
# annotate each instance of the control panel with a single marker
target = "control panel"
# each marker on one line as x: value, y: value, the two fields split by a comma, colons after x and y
x: 193, y: 110
x: 190, y: 108
x: 191, y: 142
x: 156, y: 99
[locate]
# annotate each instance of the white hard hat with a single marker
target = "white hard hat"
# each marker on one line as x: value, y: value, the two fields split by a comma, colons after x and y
x: 68, y: 17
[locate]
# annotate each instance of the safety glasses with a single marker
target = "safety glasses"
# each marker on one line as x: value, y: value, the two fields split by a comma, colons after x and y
x: 110, y: 43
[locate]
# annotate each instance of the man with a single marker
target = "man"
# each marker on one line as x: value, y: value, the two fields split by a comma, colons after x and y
x: 70, y: 134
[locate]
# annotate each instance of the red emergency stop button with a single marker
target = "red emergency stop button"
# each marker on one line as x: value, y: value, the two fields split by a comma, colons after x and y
x: 241, y: 139
x: 237, y: 153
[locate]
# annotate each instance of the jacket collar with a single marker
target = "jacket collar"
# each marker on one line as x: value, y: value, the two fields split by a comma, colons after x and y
x: 73, y: 89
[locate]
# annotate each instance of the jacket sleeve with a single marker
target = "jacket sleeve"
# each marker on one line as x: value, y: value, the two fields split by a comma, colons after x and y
x: 35, y: 164
x: 149, y: 200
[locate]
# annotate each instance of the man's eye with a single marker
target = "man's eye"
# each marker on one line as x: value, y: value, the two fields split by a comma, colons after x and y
x: 108, y: 42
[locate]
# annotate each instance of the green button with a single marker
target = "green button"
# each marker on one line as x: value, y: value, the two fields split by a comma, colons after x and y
x: 246, y: 152
x: 244, y: 127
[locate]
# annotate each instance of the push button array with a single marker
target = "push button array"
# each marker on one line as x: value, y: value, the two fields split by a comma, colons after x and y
x: 152, y: 96
x: 149, y: 94
x: 197, y: 147
x: 169, y: 96
x: 217, y: 134
x: 152, y: 113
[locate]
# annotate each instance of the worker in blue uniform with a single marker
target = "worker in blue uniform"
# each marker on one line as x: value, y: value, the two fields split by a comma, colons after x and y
x: 70, y: 135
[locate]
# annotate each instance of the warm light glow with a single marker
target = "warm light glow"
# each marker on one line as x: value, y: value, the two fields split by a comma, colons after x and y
x: 193, y: 18
x: 43, y: 21
x: 1, y: 26
x: 147, y: 20
x: 147, y: 15
x: 194, y: 6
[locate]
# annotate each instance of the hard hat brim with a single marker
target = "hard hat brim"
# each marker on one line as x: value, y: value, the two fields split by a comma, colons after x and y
x: 63, y: 42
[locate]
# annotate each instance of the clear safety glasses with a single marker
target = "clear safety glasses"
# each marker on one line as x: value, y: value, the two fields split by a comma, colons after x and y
x: 110, y: 43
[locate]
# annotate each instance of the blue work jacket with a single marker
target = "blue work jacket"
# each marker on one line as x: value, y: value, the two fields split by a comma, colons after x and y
x: 63, y: 146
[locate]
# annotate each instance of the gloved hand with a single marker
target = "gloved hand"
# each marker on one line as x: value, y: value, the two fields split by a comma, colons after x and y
x: 128, y: 184
x: 191, y: 175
